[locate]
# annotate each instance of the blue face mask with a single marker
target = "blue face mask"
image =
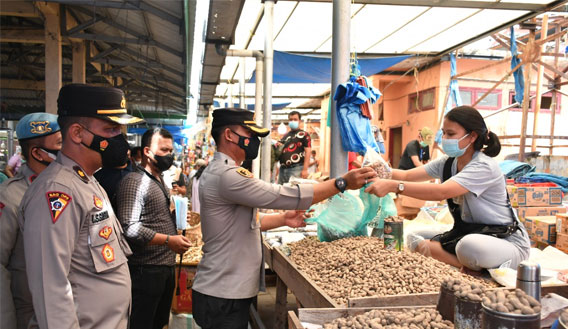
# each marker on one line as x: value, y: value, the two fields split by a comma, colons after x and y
x: 294, y: 125
x: 451, y: 147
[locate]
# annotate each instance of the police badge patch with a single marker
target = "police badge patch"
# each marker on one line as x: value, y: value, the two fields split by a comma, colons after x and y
x: 245, y: 173
x: 40, y: 127
x: 57, y: 202
x: 108, y: 253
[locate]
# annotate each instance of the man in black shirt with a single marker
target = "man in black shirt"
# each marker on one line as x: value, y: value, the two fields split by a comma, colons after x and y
x: 295, y: 149
x: 417, y: 152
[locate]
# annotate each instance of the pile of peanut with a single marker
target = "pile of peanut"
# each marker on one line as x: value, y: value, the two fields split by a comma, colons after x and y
x: 382, y: 169
x: 381, y: 319
x: 394, y: 219
x: 360, y: 267
x: 472, y: 291
x: 514, y: 301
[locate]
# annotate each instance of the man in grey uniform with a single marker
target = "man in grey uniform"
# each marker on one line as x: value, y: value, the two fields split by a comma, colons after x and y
x: 231, y: 271
x: 40, y: 139
x: 74, y: 247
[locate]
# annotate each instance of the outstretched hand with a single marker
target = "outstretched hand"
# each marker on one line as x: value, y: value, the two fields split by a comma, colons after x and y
x: 295, y: 218
x: 357, y: 178
x: 381, y: 187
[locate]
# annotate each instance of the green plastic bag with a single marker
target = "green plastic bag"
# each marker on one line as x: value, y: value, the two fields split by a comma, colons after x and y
x: 339, y: 218
x: 386, y: 208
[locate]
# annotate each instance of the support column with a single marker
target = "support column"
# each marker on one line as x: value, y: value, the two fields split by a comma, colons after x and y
x: 543, y: 34
x: 79, y: 62
x: 53, y: 61
x: 258, y: 108
x: 339, y: 75
x: 526, y: 102
x: 268, y: 72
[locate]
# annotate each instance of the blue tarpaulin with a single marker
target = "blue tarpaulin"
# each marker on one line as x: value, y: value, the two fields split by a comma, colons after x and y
x: 514, y: 169
x: 536, y: 177
x: 292, y: 68
x: 518, y: 74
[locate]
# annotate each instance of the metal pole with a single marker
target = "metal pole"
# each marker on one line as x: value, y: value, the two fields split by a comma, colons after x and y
x: 242, y: 103
x: 258, y: 107
x: 339, y: 75
x: 268, y: 71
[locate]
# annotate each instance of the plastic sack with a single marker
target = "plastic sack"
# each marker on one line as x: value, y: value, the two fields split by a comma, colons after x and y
x: 339, y: 218
x: 371, y: 206
x: 380, y: 166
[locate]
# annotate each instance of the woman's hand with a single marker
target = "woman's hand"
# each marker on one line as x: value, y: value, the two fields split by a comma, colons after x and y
x: 295, y: 218
x: 382, y: 187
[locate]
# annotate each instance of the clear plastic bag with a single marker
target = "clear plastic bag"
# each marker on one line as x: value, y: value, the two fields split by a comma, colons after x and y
x: 380, y: 166
x: 340, y: 218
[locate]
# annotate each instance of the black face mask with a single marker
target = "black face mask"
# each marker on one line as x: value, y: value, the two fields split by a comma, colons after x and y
x: 52, y: 154
x: 113, y: 150
x: 250, y: 145
x: 163, y: 162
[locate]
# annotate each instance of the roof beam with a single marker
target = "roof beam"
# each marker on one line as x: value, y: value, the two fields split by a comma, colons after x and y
x: 22, y: 84
x: 128, y: 5
x: 447, y: 3
x: 18, y: 9
x: 138, y: 35
x: 149, y: 60
x: 22, y: 36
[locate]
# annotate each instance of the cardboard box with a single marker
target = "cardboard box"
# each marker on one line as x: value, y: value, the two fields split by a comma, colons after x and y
x: 562, y: 223
x: 543, y: 228
x: 534, y: 196
x: 524, y: 212
x: 562, y: 242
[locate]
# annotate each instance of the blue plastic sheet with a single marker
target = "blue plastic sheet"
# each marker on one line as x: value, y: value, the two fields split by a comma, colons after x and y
x: 514, y: 169
x: 355, y: 129
x: 535, y: 177
x: 518, y: 74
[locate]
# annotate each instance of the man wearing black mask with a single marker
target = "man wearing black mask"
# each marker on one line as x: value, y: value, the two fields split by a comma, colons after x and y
x: 231, y: 271
x: 76, y: 254
x: 143, y: 204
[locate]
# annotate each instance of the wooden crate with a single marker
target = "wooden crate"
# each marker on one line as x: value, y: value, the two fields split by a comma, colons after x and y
x: 323, y: 315
x: 431, y: 298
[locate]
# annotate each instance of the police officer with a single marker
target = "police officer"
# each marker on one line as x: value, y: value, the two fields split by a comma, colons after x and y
x: 40, y: 140
x: 74, y: 247
x: 231, y: 271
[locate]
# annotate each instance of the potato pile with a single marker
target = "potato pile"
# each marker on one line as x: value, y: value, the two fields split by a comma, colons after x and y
x: 514, y: 301
x: 381, y: 319
x: 472, y: 291
x: 359, y: 267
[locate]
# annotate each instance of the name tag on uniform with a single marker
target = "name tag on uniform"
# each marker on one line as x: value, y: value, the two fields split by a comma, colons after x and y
x: 99, y: 217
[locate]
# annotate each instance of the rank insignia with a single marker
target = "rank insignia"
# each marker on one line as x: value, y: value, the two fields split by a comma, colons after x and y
x: 81, y: 174
x: 103, y: 145
x: 57, y: 202
x: 40, y: 127
x: 105, y: 232
x: 245, y: 173
x: 98, y: 202
x: 108, y: 253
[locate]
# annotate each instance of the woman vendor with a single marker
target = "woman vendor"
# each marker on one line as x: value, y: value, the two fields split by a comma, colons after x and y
x: 486, y: 232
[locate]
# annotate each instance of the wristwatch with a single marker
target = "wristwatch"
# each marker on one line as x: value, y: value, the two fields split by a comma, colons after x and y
x: 340, y: 184
x: 400, y: 187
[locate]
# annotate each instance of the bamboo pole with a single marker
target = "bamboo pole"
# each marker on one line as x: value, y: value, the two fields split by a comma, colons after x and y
x: 526, y: 101
x: 554, y: 104
x: 543, y: 34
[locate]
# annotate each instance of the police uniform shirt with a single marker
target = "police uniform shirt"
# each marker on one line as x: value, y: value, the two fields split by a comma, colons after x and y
x: 232, y: 266
x: 75, y: 251
x: 16, y: 301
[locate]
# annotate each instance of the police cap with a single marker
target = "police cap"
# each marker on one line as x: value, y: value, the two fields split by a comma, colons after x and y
x: 105, y: 103
x: 36, y: 125
x: 235, y: 116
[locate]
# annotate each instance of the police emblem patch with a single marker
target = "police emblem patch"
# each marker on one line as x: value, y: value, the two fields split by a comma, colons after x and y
x: 57, y: 202
x: 245, y: 173
x: 103, y: 145
x: 105, y: 232
x: 81, y: 174
x: 40, y: 127
x: 108, y: 253
x: 98, y: 202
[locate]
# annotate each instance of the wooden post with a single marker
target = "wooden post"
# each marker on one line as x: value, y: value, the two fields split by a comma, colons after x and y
x: 281, y: 302
x: 554, y: 104
x: 53, y: 59
x: 526, y: 101
x: 543, y: 34
x: 79, y: 62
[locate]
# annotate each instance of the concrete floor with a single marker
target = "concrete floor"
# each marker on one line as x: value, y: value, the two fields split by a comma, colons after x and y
x: 266, y: 304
